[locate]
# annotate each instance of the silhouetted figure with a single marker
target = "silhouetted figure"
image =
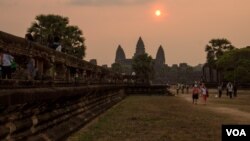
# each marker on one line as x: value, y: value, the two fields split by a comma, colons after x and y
x: 220, y: 90
x: 29, y: 37
x: 56, y: 44
x: 195, y: 93
x: 182, y: 88
x: 230, y: 89
x: 178, y: 88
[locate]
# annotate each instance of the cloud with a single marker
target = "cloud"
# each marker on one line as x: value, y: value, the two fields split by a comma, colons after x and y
x: 108, y: 2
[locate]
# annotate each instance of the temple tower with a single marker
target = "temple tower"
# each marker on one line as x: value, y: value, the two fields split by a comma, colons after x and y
x: 160, y: 57
x: 140, y: 48
x: 120, y: 55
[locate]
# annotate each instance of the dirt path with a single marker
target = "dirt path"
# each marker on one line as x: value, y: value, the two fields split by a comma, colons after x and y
x: 238, y: 115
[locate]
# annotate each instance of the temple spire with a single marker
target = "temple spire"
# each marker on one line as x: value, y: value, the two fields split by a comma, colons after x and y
x: 120, y: 55
x: 140, y: 48
x: 160, y: 56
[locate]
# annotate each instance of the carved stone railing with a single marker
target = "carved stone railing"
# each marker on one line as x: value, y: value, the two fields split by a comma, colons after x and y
x: 53, y: 65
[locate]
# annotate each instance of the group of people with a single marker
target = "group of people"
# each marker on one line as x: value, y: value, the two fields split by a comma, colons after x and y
x: 181, y: 87
x: 199, y: 89
x: 8, y: 66
x: 231, y: 89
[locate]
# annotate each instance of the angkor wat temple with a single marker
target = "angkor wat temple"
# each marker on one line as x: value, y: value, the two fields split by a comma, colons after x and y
x: 163, y: 73
x: 159, y: 61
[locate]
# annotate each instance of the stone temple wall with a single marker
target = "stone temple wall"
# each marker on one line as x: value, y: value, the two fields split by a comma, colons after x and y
x: 67, y: 94
x: 52, y: 113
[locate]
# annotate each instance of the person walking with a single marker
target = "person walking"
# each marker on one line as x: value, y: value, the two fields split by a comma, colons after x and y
x: 230, y: 89
x: 204, y: 93
x: 195, y: 94
x: 177, y: 88
x: 220, y: 90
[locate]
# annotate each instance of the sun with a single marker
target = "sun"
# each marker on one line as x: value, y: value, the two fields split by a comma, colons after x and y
x: 158, y: 13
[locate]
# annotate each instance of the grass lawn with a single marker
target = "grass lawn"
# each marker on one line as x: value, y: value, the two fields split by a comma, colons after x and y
x: 157, y: 118
x: 241, y: 102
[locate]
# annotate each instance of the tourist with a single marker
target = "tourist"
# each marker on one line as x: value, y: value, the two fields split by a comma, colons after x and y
x: 195, y: 94
x: 7, y: 59
x: 204, y: 93
x: 29, y: 38
x: 177, y: 88
x: 230, y: 89
x: 220, y: 90
x: 56, y: 44
x: 227, y: 89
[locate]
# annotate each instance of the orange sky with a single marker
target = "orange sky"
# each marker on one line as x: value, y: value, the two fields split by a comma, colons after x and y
x: 183, y: 30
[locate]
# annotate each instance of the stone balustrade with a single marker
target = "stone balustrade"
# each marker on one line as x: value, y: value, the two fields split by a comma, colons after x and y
x: 51, y: 64
x: 56, y: 103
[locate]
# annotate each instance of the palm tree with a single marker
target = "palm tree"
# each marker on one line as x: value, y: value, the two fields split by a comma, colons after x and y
x: 46, y: 27
x: 215, y: 49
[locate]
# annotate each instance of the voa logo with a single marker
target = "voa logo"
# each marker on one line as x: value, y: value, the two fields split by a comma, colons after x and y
x: 236, y: 132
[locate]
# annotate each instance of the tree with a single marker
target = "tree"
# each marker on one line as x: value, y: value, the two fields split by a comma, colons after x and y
x: 47, y: 27
x: 116, y: 67
x: 142, y: 65
x: 236, y: 65
x: 215, y: 49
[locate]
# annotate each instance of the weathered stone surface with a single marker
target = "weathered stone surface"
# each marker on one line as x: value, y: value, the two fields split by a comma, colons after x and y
x: 59, y: 115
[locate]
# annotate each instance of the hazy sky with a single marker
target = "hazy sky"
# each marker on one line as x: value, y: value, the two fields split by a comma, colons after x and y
x: 183, y: 29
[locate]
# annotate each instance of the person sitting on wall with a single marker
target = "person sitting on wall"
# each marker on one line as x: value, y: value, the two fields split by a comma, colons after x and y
x: 56, y: 42
x: 29, y: 37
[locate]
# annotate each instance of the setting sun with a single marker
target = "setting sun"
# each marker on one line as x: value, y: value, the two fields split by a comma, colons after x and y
x: 157, y: 12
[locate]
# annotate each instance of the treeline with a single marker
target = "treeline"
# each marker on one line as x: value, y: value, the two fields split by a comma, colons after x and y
x: 233, y: 64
